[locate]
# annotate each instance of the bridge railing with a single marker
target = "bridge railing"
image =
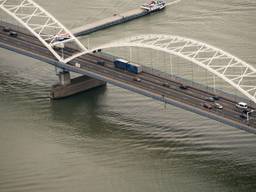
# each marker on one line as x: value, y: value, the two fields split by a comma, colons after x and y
x: 14, y: 27
x: 187, y: 82
x: 160, y: 73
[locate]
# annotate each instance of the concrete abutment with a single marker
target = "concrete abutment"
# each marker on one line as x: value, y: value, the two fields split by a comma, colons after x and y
x: 68, y: 87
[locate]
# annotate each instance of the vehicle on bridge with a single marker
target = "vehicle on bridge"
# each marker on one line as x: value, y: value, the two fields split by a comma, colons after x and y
x: 78, y: 65
x: 243, y: 116
x: 241, y: 105
x: 102, y: 63
x: 184, y: 87
x: 136, y: 79
x: 165, y: 84
x: 210, y: 99
x: 6, y: 29
x: 125, y: 65
x: 207, y: 105
x: 216, y: 97
x: 218, y: 106
x: 13, y: 34
x: 134, y: 68
x: 10, y: 31
x: 121, y: 64
x: 248, y: 110
x: 59, y: 46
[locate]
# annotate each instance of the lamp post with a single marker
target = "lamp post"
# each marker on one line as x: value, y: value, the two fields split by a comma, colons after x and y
x: 248, y: 114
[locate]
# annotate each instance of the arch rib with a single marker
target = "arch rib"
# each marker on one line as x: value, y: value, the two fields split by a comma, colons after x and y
x: 231, y: 69
x: 43, y: 26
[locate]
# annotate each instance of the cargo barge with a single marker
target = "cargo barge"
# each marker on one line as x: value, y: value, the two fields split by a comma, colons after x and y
x: 145, y: 9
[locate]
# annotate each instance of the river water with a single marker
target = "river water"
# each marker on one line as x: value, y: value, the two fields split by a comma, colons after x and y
x: 110, y: 139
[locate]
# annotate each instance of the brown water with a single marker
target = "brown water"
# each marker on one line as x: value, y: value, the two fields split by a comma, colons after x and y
x: 110, y: 139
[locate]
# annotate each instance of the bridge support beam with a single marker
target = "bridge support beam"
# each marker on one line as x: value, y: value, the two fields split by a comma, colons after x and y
x: 68, y: 87
x: 64, y: 78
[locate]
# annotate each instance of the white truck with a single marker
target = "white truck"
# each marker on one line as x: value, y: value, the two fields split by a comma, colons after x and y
x: 58, y: 46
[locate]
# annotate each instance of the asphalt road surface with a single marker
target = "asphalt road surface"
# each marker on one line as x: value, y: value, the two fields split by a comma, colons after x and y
x: 160, y: 86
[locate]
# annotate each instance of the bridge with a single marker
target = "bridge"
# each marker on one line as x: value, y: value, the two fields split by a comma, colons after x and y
x: 37, y: 40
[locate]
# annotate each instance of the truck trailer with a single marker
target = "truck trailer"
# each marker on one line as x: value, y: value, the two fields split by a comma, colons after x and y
x: 125, y: 65
x: 121, y: 64
x: 134, y: 68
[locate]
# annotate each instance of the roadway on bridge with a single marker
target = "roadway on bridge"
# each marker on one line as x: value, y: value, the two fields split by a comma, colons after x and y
x: 148, y: 82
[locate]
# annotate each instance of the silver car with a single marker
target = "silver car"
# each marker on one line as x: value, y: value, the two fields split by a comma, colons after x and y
x: 241, y: 105
x: 218, y: 106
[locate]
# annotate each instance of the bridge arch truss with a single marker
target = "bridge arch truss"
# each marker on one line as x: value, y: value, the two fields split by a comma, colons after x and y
x: 43, y: 26
x: 229, y: 68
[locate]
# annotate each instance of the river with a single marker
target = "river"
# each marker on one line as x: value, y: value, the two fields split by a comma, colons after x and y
x: 112, y: 140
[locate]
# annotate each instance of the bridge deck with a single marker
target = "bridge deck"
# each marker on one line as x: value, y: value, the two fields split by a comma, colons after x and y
x: 150, y: 85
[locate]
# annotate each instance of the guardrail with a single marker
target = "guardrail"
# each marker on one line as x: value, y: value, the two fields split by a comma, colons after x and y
x: 188, y: 82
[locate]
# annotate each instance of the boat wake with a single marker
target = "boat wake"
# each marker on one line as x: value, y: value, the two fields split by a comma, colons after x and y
x: 173, y: 2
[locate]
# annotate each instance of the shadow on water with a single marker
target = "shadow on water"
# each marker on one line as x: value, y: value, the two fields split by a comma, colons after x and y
x: 125, y: 143
x: 122, y: 145
x: 80, y: 112
x: 131, y: 141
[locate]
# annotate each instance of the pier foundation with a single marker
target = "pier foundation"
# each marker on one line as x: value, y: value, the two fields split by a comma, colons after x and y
x: 68, y: 87
x: 64, y: 78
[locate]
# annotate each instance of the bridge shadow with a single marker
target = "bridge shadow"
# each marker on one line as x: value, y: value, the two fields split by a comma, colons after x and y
x: 83, y: 117
x: 116, y: 144
x: 80, y: 113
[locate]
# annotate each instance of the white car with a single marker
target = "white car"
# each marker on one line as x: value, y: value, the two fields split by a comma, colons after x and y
x: 218, y: 106
x: 136, y: 79
x: 77, y: 65
x: 242, y: 105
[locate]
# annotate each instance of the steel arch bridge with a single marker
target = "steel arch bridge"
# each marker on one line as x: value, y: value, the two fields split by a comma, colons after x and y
x: 46, y: 28
x: 43, y: 26
x: 229, y: 68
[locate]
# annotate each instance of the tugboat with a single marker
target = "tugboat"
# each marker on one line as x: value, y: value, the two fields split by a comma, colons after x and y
x: 154, y: 5
x: 62, y: 37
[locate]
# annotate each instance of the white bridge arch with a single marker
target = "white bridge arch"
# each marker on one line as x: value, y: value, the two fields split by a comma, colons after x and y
x: 222, y: 64
x: 43, y: 26
x: 231, y: 69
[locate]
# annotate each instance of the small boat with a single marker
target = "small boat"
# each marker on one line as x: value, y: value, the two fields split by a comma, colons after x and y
x: 62, y: 37
x: 155, y: 5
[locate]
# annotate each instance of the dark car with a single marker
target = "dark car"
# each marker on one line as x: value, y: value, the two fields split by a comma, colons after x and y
x: 13, y: 33
x: 247, y: 110
x: 165, y: 84
x: 207, y: 105
x: 216, y: 97
x: 182, y: 86
x: 211, y: 99
x: 243, y: 116
x: 101, y: 63
x: 6, y: 29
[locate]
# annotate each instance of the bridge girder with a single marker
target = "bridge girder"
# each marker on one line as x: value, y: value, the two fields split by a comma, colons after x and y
x: 43, y: 26
x: 220, y: 63
x: 231, y: 69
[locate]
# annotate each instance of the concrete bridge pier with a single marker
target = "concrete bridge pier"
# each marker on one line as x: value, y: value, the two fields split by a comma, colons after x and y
x: 64, y: 78
x: 68, y: 87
